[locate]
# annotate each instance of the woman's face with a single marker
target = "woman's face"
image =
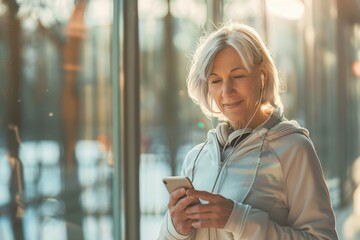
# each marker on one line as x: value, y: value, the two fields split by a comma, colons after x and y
x: 236, y: 90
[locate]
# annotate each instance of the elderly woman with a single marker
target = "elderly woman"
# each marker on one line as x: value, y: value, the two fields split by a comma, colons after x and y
x: 257, y: 175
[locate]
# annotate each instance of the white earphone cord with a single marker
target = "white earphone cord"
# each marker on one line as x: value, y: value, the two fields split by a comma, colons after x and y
x: 252, y: 117
x: 236, y: 142
x: 223, y: 163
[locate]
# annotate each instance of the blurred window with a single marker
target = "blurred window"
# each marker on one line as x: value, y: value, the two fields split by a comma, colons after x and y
x: 170, y: 123
x: 56, y: 120
x: 59, y: 129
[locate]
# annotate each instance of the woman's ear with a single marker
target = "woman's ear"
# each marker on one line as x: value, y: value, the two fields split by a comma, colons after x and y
x: 264, y: 77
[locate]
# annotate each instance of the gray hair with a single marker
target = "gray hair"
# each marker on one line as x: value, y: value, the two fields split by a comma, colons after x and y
x: 252, y: 51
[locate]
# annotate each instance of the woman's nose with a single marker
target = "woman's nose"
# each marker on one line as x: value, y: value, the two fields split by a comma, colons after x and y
x: 227, y: 89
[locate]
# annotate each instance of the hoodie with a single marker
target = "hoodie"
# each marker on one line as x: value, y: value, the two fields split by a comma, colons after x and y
x: 273, y: 176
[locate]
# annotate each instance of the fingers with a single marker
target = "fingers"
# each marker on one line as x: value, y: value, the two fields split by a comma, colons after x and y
x: 208, y: 211
x: 210, y: 207
x: 213, y: 214
x: 209, y: 197
x: 179, y: 199
x: 186, y: 216
x: 200, y: 194
x: 208, y: 215
x: 184, y: 227
x: 178, y: 203
x: 176, y: 196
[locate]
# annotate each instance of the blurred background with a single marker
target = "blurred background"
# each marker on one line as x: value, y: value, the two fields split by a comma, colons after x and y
x: 94, y: 109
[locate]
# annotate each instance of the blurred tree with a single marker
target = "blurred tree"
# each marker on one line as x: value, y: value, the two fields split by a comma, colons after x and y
x: 170, y: 98
x: 13, y: 34
x: 69, y: 47
x: 71, y: 65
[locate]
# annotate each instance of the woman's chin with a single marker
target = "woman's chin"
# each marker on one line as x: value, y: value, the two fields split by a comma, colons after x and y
x: 236, y: 117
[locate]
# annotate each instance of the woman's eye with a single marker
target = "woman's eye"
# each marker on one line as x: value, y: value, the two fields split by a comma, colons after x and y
x: 214, y: 81
x: 238, y: 76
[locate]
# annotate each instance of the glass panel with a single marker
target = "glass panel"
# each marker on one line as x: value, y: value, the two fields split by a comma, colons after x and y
x: 245, y: 11
x: 355, y: 66
x: 56, y: 120
x: 307, y: 65
x: 309, y: 40
x: 170, y: 123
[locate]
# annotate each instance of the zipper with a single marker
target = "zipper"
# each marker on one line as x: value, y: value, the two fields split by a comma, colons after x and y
x: 220, y: 166
x: 228, y: 157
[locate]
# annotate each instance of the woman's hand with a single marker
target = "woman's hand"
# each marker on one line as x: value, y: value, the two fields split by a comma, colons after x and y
x: 213, y: 214
x: 178, y: 204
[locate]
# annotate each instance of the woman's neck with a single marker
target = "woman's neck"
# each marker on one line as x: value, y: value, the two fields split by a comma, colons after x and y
x: 260, y: 117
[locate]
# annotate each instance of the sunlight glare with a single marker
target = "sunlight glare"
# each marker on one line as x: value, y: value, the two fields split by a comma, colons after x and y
x: 192, y: 10
x: 289, y: 9
x: 99, y: 13
x: 152, y: 9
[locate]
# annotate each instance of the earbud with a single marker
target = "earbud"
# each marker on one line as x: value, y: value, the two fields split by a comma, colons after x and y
x: 262, y: 81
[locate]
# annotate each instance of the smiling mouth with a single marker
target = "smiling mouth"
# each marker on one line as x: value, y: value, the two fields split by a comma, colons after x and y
x: 232, y: 105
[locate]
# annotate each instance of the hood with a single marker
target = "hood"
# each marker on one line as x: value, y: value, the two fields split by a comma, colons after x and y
x: 276, y: 126
x: 284, y: 128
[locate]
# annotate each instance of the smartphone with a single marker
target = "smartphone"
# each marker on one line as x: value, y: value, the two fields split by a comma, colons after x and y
x: 175, y: 182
